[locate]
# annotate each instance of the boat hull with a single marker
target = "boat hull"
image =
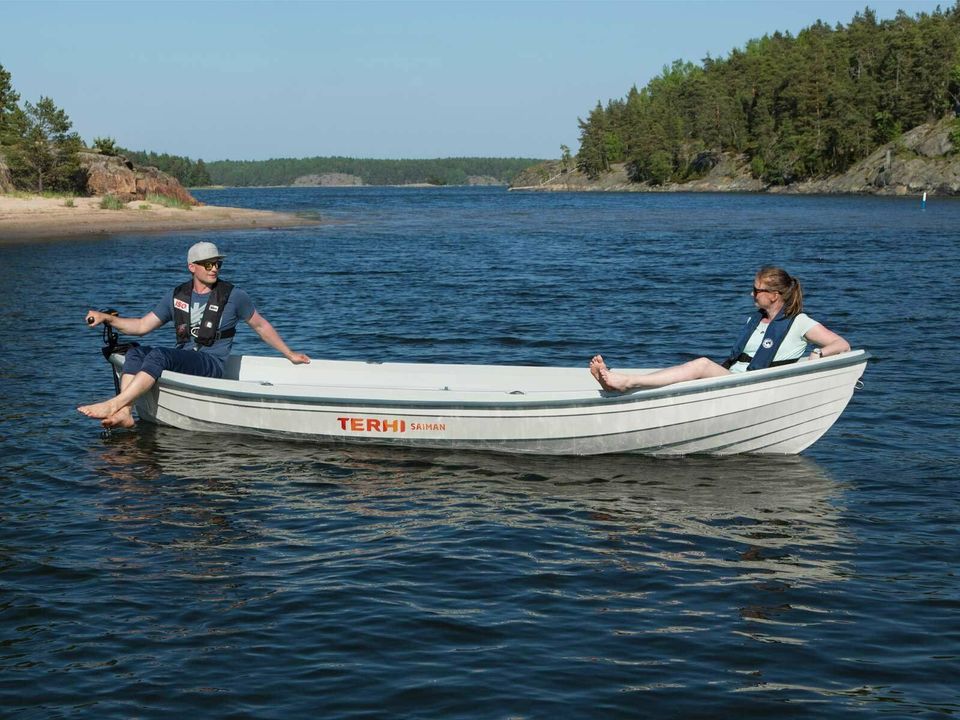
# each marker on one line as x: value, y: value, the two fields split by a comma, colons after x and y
x: 550, y: 411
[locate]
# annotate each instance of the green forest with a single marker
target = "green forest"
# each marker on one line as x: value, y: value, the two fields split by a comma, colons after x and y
x: 185, y: 170
x: 283, y: 171
x: 444, y: 171
x: 797, y: 107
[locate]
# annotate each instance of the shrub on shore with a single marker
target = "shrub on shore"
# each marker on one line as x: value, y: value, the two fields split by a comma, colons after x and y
x: 112, y: 202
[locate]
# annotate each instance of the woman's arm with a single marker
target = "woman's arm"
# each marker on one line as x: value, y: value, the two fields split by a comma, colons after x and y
x: 827, y: 341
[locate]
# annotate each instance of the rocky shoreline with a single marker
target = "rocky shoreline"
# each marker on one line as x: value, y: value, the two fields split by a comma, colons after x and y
x: 117, y: 176
x: 921, y: 160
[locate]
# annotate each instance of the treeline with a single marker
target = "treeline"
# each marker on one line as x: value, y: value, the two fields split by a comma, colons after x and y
x: 38, y: 149
x: 185, y: 170
x: 445, y: 171
x: 797, y: 107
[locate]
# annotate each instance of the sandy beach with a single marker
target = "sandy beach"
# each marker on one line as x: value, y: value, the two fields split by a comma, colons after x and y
x: 34, y: 218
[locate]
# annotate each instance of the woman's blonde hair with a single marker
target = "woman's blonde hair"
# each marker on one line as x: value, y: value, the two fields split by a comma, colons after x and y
x: 789, y: 288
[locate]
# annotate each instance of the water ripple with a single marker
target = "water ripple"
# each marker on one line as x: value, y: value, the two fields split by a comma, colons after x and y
x: 158, y: 572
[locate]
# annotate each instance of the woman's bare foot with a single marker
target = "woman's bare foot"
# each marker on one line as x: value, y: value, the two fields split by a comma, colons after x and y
x: 121, y: 418
x: 614, y: 381
x: 596, y: 362
x: 99, y: 410
x: 609, y: 380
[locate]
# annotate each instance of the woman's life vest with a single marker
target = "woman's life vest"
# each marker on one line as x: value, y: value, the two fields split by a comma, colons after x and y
x: 772, y: 340
x: 208, y: 331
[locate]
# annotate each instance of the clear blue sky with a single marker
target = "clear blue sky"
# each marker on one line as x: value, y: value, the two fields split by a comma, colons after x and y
x: 251, y: 80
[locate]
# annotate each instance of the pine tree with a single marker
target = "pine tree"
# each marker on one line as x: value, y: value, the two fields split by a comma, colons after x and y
x: 592, y: 158
x: 45, y: 156
x: 200, y: 175
x: 10, y: 113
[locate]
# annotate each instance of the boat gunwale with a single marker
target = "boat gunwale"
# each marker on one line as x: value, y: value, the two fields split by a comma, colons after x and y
x: 271, y: 393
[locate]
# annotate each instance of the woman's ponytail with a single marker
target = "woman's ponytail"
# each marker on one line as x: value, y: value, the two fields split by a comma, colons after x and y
x: 789, y: 288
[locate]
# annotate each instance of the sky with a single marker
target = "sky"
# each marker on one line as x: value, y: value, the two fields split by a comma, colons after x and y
x: 258, y: 80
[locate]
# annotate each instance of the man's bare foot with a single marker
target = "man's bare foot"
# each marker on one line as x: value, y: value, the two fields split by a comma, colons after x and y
x: 99, y: 410
x: 121, y: 418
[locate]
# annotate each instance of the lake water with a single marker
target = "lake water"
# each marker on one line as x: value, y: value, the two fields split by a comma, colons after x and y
x: 155, y: 573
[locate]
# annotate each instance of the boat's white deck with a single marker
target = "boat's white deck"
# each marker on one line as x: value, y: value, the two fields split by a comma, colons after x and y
x: 411, y: 376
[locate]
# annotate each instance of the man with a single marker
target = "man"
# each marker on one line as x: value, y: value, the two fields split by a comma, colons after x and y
x: 205, y: 311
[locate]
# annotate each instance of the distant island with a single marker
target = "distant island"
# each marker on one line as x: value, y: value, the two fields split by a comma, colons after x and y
x: 334, y: 171
x: 346, y: 180
x: 344, y: 171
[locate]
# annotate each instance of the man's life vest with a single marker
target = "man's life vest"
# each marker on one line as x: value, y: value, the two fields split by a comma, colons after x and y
x: 208, y: 332
x: 772, y: 340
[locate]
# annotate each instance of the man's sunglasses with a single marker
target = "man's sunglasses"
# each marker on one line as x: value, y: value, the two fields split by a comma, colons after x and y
x: 209, y: 265
x: 757, y: 291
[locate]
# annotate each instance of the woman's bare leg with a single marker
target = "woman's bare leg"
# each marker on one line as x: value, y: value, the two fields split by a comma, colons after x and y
x: 621, y: 382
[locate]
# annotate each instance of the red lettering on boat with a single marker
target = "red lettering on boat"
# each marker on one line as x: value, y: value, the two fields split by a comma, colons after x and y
x: 365, y: 424
x: 394, y: 425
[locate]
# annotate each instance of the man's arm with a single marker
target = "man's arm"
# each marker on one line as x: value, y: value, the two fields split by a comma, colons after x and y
x: 127, y: 326
x: 272, y: 338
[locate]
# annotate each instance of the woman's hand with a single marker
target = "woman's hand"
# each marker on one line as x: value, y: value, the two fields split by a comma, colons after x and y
x: 828, y: 342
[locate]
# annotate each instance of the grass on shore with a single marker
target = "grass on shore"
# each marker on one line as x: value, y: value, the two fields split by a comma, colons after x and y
x: 108, y: 202
x: 168, y: 202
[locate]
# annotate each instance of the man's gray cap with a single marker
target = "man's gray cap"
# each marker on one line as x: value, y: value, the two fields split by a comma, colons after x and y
x: 203, y: 251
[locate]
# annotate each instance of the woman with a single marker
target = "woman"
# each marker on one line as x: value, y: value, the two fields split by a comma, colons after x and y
x: 776, y: 334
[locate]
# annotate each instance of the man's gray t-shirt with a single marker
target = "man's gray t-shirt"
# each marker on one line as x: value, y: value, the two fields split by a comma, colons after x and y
x: 239, y: 307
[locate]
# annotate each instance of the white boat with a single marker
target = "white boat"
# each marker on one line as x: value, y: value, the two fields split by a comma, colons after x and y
x: 514, y: 409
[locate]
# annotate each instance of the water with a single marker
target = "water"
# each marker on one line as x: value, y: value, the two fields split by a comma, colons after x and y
x: 154, y: 572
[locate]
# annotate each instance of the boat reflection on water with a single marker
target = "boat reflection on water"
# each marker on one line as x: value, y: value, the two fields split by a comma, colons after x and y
x: 746, y: 518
